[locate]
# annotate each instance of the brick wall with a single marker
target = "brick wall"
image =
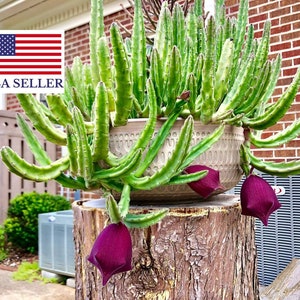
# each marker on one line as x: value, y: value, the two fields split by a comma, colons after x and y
x: 285, y: 39
x: 77, y: 44
x: 77, y: 39
x: 12, y: 103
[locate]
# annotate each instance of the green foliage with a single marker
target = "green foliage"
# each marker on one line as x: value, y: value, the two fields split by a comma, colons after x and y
x: 30, y: 272
x: 27, y: 272
x: 21, y: 226
x: 2, y: 237
x: 3, y: 253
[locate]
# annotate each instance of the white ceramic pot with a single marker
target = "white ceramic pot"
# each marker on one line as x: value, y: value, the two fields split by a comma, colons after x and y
x: 223, y: 156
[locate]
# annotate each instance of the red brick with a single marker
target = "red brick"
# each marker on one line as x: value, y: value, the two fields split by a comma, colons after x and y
x: 293, y: 144
x: 290, y: 18
x: 266, y: 135
x: 258, y: 18
x: 274, y: 39
x: 284, y: 81
x: 289, y: 117
x: 231, y: 2
x: 274, y: 22
x: 270, y: 6
x: 233, y: 10
x: 286, y: 2
x: 253, y: 3
x: 296, y: 43
x: 276, y: 128
x: 291, y: 53
x: 296, y: 24
x: 287, y: 62
x: 295, y: 107
x: 277, y: 91
x: 285, y: 153
x: 278, y: 47
x: 296, y: 7
x: 280, y: 12
x: 296, y: 61
x: 263, y: 153
x: 297, y: 98
x: 258, y: 34
x: 290, y: 72
x: 281, y: 28
x: 253, y: 11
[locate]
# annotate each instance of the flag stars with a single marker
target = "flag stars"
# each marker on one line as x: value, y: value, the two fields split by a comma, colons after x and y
x: 7, y: 44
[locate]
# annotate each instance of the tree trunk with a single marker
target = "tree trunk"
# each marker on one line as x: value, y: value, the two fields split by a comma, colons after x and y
x: 199, y: 251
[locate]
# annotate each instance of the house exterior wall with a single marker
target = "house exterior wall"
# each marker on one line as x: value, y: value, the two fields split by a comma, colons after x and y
x: 77, y: 39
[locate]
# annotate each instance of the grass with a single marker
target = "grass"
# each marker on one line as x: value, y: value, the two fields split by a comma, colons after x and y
x: 31, y: 272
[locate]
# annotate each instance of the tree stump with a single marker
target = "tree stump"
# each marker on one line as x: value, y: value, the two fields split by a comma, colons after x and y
x: 204, y: 250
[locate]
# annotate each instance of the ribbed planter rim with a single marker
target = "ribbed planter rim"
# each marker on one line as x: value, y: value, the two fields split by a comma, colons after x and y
x: 223, y: 156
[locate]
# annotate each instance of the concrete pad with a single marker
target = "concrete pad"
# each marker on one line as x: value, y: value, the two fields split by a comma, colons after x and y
x: 50, y: 275
x: 71, y: 282
x: 11, y: 289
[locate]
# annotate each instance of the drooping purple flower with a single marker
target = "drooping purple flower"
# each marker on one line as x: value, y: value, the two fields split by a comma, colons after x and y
x: 258, y: 198
x: 112, y: 251
x: 206, y: 186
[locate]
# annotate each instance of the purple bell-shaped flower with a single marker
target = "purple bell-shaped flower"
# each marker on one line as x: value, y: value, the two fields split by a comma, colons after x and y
x: 112, y: 251
x: 258, y: 198
x: 206, y: 186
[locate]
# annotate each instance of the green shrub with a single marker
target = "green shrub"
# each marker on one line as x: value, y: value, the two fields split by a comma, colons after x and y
x: 3, y: 253
x: 21, y: 226
x: 2, y: 237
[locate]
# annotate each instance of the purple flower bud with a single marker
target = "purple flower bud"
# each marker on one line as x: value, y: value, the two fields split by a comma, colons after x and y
x: 206, y: 186
x: 258, y: 198
x: 112, y: 251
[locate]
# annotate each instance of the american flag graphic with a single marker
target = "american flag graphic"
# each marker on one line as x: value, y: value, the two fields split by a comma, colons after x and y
x: 31, y: 53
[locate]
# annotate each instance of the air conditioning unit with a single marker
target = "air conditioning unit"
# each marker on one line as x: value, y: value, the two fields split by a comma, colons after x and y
x: 56, y: 244
x: 279, y: 242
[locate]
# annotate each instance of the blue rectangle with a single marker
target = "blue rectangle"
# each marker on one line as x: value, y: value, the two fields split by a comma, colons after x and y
x: 7, y: 44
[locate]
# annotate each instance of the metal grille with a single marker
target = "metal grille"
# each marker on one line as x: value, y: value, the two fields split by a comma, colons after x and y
x: 279, y: 242
x: 56, y: 245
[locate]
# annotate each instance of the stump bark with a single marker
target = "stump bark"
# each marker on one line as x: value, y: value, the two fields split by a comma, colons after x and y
x: 198, y: 251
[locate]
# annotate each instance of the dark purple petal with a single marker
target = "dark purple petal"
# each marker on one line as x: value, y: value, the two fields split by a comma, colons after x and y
x: 112, y: 251
x: 206, y: 186
x: 258, y: 198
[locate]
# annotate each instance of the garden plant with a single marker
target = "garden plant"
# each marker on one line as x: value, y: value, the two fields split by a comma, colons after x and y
x: 210, y: 70
x: 21, y: 225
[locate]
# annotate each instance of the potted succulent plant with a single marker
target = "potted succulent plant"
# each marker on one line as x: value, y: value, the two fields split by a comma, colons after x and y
x: 201, y: 82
